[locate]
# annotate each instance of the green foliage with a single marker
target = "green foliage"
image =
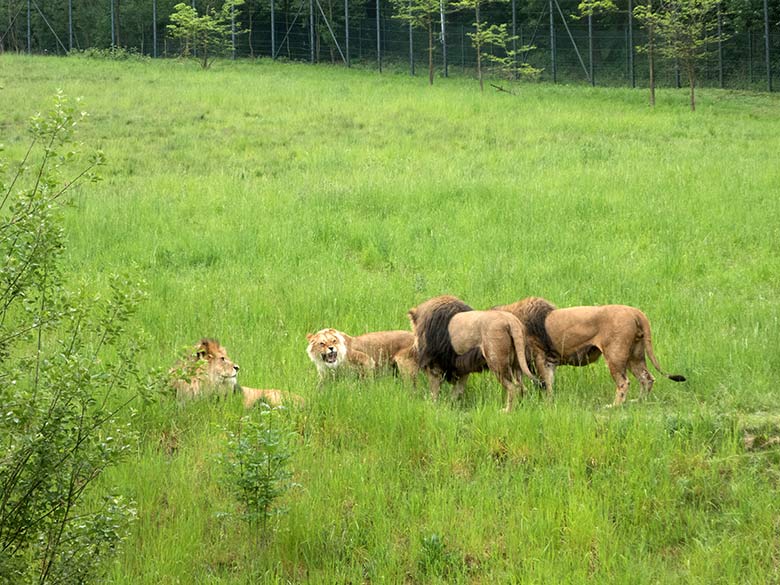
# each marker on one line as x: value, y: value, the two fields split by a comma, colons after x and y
x: 421, y: 14
x: 208, y: 34
x: 685, y: 28
x: 111, y: 54
x: 508, y: 60
x: 593, y: 7
x: 63, y: 361
x: 257, y: 465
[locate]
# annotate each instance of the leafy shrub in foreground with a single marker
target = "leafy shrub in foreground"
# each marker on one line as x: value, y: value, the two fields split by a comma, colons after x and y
x: 66, y: 370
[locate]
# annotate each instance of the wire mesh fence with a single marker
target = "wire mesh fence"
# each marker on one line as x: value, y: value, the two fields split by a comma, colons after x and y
x: 565, y: 49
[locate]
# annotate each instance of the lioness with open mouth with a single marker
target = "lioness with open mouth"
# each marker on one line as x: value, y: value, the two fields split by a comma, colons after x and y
x: 332, y: 350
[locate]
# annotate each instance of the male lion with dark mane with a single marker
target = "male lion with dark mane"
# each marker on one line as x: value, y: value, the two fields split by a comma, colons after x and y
x: 578, y: 336
x: 208, y: 370
x: 453, y: 341
x: 330, y: 350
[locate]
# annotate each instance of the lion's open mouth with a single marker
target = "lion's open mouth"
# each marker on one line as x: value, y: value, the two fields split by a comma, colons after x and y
x: 330, y: 356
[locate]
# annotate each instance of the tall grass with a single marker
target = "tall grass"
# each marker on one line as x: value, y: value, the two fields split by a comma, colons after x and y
x: 263, y: 201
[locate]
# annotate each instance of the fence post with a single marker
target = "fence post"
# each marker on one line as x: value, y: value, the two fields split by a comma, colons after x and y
x: 411, y: 45
x: 552, y: 44
x: 378, y: 39
x: 631, y: 70
x: 346, y: 31
x: 154, y: 28
x: 720, y: 47
x: 311, y: 30
x: 233, y: 32
x: 590, y: 50
x: 29, y: 29
x: 514, y: 38
x: 113, y: 32
x: 443, y: 39
x: 273, y: 30
x: 70, y: 25
x: 766, y: 47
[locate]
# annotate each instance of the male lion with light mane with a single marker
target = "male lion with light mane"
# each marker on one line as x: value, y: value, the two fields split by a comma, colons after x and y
x: 330, y: 350
x: 453, y: 341
x: 578, y: 336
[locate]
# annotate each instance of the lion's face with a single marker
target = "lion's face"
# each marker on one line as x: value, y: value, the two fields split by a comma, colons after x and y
x: 220, y: 369
x: 327, y: 347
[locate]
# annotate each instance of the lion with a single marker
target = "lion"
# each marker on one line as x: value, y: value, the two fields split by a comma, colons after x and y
x: 578, y: 336
x: 453, y: 341
x: 206, y: 370
x: 332, y: 350
x: 272, y: 397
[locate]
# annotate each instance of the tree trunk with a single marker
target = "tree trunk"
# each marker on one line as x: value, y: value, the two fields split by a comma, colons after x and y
x: 651, y: 55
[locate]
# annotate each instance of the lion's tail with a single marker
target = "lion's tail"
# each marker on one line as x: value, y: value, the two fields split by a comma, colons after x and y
x: 644, y: 325
x: 517, y: 331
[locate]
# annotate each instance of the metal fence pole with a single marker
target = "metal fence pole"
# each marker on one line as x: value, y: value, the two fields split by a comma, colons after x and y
x: 378, y: 40
x: 113, y: 32
x: 29, y: 29
x: 70, y: 25
x: 411, y: 44
x: 154, y: 28
x: 443, y: 39
x: 311, y: 30
x: 590, y: 50
x: 720, y: 47
x: 233, y: 31
x: 766, y: 47
x: 346, y: 31
x: 750, y: 55
x: 273, y: 30
x: 552, y: 44
x: 631, y: 68
x: 514, y: 38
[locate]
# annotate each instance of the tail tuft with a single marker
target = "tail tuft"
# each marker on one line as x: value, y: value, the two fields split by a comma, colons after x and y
x: 677, y: 378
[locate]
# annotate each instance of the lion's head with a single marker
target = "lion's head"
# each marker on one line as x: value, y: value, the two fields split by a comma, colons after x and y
x: 327, y: 348
x: 207, y: 369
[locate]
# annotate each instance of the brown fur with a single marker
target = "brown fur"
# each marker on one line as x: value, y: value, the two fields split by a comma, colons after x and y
x: 330, y: 350
x: 578, y: 336
x: 207, y: 369
x: 271, y: 397
x: 453, y: 341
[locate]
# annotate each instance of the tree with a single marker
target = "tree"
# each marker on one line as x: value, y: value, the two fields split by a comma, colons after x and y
x: 209, y: 34
x: 685, y: 28
x: 649, y: 17
x: 507, y: 60
x: 420, y: 14
x: 67, y: 369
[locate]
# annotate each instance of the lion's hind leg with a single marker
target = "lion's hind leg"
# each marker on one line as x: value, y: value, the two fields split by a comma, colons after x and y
x: 617, y: 368
x: 638, y: 367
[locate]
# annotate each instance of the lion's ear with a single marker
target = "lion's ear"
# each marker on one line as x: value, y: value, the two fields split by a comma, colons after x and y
x: 309, y: 336
x: 412, y: 314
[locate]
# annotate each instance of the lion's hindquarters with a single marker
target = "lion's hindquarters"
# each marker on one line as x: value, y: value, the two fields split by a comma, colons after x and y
x: 644, y: 325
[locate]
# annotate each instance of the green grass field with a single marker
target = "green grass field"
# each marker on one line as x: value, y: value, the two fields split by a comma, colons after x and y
x: 264, y: 201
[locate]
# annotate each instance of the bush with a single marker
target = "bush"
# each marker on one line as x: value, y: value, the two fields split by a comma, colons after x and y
x: 257, y: 465
x: 66, y: 371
